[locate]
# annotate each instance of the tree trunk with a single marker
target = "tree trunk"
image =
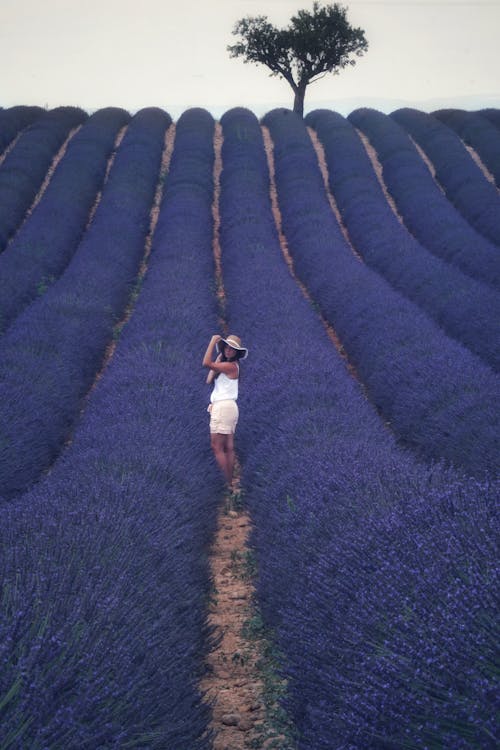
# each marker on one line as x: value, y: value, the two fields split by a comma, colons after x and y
x: 298, y: 101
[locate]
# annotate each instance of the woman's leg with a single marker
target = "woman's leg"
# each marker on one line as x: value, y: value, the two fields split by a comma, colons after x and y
x: 223, y: 448
x: 229, y: 457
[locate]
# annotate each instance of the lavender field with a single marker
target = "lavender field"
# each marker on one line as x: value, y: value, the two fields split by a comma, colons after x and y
x: 369, y: 468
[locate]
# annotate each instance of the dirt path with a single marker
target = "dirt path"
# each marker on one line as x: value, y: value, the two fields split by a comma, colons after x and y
x: 482, y: 166
x: 43, y: 187
x: 153, y: 219
x: 55, y: 161
x: 379, y: 172
x: 10, y: 146
x: 119, y: 138
x: 232, y: 685
x: 240, y: 679
x: 168, y: 148
x: 323, y: 168
x: 269, y: 147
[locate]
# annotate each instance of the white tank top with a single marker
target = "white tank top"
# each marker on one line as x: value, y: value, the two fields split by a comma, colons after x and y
x: 224, y: 388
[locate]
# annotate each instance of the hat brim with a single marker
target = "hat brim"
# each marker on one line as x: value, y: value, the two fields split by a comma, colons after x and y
x: 242, y: 351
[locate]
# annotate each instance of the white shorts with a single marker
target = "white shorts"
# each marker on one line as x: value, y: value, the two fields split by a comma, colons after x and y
x: 223, y: 417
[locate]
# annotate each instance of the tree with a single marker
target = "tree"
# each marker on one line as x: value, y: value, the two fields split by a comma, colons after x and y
x: 315, y: 43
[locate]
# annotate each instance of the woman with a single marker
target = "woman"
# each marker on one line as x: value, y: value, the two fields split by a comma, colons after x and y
x: 225, y: 371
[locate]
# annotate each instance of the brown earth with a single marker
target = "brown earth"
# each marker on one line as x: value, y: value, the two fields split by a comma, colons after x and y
x: 154, y: 213
x: 43, y: 187
x: 233, y: 685
x: 482, y: 166
x: 153, y: 219
x: 377, y: 168
x: 330, y: 331
x: 118, y: 140
x: 9, y: 148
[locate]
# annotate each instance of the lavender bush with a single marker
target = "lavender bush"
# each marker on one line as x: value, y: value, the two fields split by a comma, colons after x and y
x: 465, y: 308
x: 462, y: 180
x: 104, y: 562
x: 439, y: 398
x: 365, y: 557
x: 491, y: 114
x: 49, y: 357
x: 393, y: 635
x: 15, y: 119
x: 24, y: 168
x: 427, y: 213
x: 477, y: 132
x: 376, y: 572
x: 43, y: 246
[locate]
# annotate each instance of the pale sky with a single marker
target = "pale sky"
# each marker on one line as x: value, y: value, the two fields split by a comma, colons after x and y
x: 172, y: 54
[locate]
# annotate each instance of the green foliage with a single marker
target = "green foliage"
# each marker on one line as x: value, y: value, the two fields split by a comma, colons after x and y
x: 279, y: 731
x: 316, y: 42
x: 43, y: 284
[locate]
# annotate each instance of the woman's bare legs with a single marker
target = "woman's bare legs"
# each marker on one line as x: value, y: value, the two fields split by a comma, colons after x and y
x: 223, y: 448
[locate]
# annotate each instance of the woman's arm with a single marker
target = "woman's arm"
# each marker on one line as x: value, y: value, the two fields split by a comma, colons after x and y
x: 230, y: 368
x: 211, y: 373
x: 207, y: 357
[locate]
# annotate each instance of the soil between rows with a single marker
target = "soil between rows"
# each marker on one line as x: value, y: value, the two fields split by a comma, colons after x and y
x: 232, y: 685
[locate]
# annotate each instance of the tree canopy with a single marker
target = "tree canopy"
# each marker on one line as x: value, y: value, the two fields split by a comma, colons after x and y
x: 315, y: 43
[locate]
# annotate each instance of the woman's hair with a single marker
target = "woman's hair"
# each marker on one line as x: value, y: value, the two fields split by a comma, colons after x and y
x: 237, y: 355
x: 235, y: 358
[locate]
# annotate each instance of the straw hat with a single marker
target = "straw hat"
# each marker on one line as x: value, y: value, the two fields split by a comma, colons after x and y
x: 235, y: 343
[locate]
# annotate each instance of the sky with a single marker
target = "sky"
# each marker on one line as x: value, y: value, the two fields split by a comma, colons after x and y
x: 173, y: 54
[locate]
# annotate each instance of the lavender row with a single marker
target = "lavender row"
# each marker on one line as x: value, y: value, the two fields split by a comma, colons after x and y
x: 465, y: 308
x: 45, y: 243
x: 373, y: 572
x: 25, y: 167
x: 427, y: 213
x: 105, y: 560
x: 49, y: 357
x: 440, y: 398
x: 263, y: 302
x: 15, y: 119
x: 491, y: 114
x: 478, y: 133
x: 462, y: 180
